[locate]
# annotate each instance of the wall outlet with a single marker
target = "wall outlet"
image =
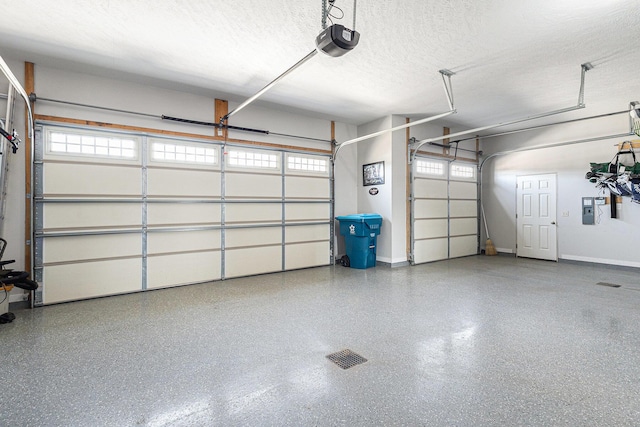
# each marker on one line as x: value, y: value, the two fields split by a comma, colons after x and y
x: 565, y: 213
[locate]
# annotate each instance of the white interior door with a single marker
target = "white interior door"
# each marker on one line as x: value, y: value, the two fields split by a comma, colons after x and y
x: 536, y: 217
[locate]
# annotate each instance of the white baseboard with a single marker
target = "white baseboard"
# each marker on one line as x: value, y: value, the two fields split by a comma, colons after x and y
x: 504, y: 250
x: 601, y: 261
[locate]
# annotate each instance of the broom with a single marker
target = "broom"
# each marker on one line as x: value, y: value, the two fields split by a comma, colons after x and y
x: 489, y: 248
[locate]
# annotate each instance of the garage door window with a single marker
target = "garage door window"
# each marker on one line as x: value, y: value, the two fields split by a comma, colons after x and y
x: 466, y: 172
x: 252, y: 159
x: 425, y: 167
x: 92, y: 145
x: 184, y: 153
x: 307, y: 164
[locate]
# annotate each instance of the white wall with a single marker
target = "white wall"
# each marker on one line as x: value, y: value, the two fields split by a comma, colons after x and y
x: 121, y: 94
x: 398, y: 173
x: 378, y: 149
x: 612, y: 241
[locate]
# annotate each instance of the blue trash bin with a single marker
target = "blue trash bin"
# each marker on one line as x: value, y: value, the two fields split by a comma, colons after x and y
x: 360, y: 233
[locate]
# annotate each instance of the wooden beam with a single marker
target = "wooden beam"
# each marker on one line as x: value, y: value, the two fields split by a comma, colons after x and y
x: 445, y: 131
x: 29, y: 87
x: 221, y: 110
x: 333, y: 138
x: 139, y: 129
x: 635, y: 144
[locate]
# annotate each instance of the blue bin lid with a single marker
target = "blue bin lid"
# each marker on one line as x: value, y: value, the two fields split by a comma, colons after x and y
x: 359, y: 217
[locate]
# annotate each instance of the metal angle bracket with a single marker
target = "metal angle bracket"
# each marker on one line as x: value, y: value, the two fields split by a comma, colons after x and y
x: 448, y: 88
x: 584, y: 68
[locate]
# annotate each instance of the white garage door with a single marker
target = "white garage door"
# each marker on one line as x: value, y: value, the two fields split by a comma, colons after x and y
x: 444, y: 210
x: 117, y: 213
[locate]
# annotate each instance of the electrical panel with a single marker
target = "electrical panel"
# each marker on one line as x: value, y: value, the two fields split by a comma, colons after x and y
x: 588, y: 214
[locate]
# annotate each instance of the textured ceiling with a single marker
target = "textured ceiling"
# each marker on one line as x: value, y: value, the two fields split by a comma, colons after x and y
x: 512, y: 59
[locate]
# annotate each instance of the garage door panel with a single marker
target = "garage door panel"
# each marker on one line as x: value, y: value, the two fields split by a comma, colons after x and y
x: 303, y: 255
x: 431, y: 250
x: 464, y: 246
x: 82, y: 179
x: 181, y: 269
x: 253, y: 212
x: 430, y: 228
x: 307, y: 187
x: 463, y: 208
x: 183, y: 182
x: 183, y: 213
x: 307, y: 233
x: 307, y: 211
x: 461, y: 226
x: 80, y: 248
x: 182, y: 241
x: 444, y: 210
x: 431, y: 209
x: 91, y: 215
x: 246, y: 185
x: 430, y: 188
x: 249, y: 261
x: 253, y: 237
x: 154, y: 209
x: 91, y: 279
x: 463, y: 190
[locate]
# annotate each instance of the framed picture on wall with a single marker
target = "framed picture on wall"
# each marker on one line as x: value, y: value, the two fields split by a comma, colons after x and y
x: 373, y: 174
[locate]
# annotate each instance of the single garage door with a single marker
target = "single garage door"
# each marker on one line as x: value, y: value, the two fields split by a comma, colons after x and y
x: 444, y: 210
x: 119, y: 212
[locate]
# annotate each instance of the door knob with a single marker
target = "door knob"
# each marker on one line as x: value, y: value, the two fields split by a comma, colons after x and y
x: 553, y: 223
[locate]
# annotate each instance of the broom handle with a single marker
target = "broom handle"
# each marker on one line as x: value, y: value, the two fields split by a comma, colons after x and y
x: 485, y: 220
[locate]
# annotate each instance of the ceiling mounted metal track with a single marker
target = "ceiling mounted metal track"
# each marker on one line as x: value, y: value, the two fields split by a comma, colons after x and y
x: 584, y: 68
x: 268, y: 86
x: 448, y: 89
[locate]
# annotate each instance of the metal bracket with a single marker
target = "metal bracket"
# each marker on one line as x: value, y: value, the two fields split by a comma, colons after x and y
x: 448, y: 88
x: 584, y: 68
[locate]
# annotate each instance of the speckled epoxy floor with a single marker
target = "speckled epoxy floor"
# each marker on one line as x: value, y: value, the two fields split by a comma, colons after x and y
x: 467, y: 342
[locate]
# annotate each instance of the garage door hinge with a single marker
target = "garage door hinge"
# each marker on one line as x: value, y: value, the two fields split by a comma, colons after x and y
x: 28, y: 243
x: 28, y: 195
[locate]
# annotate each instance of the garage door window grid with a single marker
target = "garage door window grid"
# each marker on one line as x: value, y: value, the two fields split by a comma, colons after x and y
x: 299, y: 163
x: 92, y: 145
x: 464, y: 172
x: 183, y: 153
x: 251, y: 159
x: 426, y: 167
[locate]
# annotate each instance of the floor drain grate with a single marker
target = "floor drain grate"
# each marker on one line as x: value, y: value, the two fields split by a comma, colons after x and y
x: 611, y: 285
x: 346, y: 359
